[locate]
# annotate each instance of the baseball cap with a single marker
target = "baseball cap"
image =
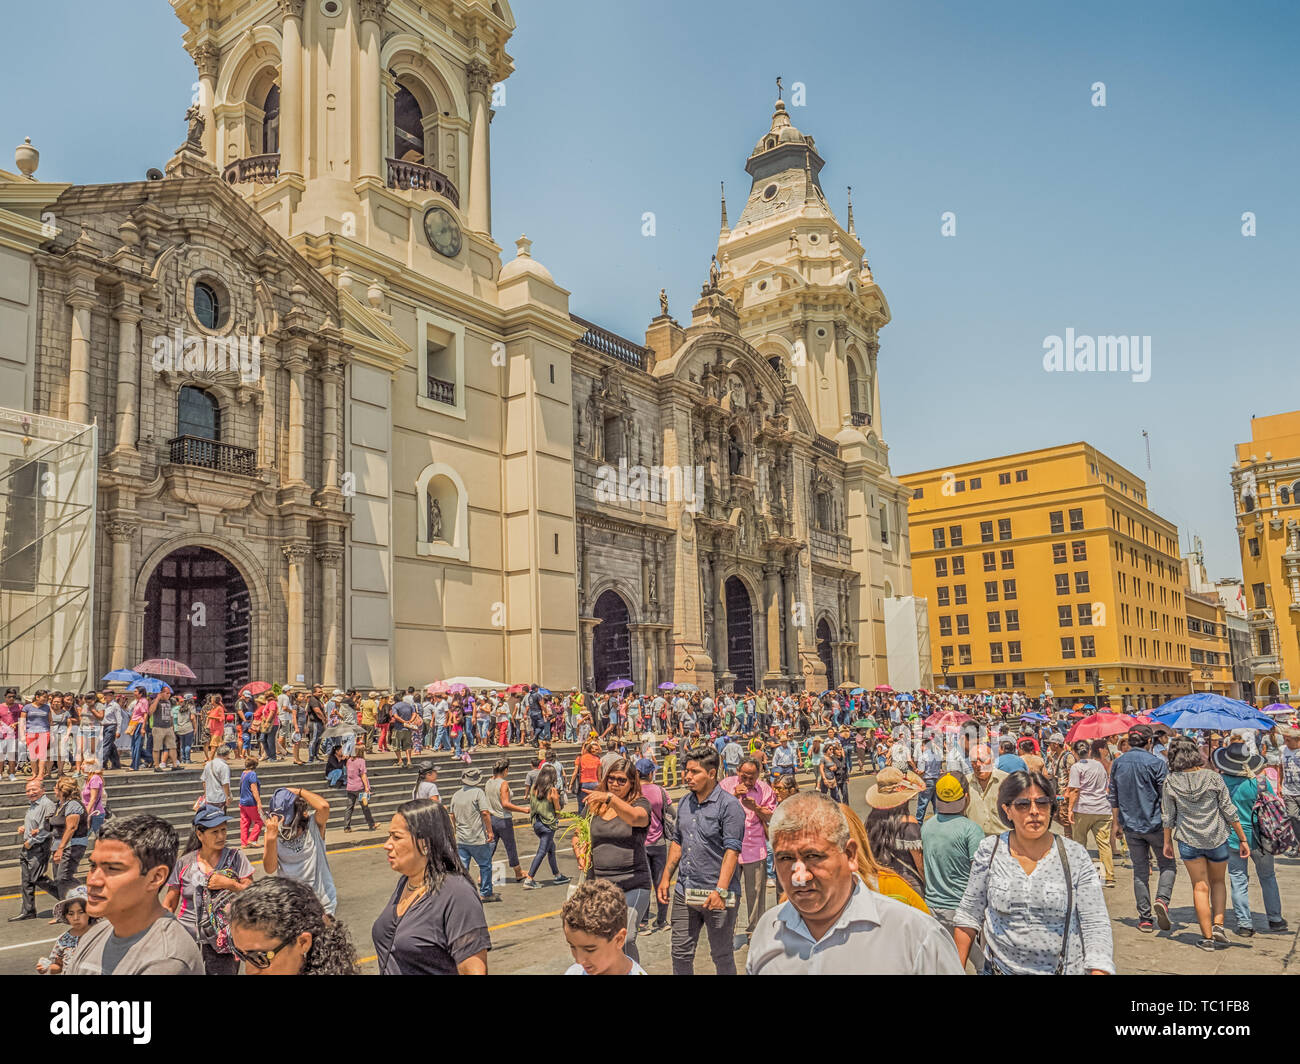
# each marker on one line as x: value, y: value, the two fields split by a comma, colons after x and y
x: 950, y: 792
x: 1056, y: 737
x: 645, y: 768
x: 210, y: 816
x: 282, y: 804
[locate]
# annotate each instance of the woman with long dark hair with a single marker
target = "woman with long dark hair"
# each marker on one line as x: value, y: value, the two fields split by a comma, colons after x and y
x: 279, y: 927
x: 433, y: 924
x: 500, y: 805
x: 895, y: 834
x: 206, y: 869
x: 544, y: 804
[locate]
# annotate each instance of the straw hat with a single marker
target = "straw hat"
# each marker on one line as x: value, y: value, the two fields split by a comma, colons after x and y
x: 894, y: 788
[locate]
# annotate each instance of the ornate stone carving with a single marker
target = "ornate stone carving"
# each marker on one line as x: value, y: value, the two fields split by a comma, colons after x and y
x: 120, y: 531
x: 296, y: 553
x: 372, y: 10
x: 330, y: 556
x: 206, y: 57
x: 292, y: 8
x: 478, y: 77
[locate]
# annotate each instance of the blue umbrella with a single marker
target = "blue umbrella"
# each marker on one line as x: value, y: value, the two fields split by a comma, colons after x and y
x: 905, y: 697
x: 1210, y: 712
x: 1033, y: 716
x: 121, y: 676
x: 150, y: 685
x: 544, y: 692
x: 858, y: 691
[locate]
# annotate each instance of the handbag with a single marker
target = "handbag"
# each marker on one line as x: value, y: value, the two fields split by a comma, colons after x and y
x: 991, y: 966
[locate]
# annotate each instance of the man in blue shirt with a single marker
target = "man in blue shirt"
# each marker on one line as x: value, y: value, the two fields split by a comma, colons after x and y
x: 1137, y: 780
x: 706, y: 846
x: 1010, y: 761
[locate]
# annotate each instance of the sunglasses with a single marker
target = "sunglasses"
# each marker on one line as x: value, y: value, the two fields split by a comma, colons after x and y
x: 1022, y: 804
x: 616, y: 779
x: 258, y: 958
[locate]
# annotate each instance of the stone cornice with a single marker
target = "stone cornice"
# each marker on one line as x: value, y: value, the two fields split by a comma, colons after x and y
x: 588, y: 519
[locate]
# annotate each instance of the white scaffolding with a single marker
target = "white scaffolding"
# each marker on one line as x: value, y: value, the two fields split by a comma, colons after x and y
x: 47, y: 552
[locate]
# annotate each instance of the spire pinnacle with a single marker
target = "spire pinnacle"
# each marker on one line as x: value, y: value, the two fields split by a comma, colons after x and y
x: 853, y: 232
x: 725, y: 224
x: 809, y: 196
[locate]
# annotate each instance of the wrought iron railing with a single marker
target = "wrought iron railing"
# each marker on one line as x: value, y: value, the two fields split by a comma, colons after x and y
x: 212, y: 454
x: 860, y: 418
x: 608, y: 343
x: 441, y: 391
x: 425, y: 178
x: 260, y: 169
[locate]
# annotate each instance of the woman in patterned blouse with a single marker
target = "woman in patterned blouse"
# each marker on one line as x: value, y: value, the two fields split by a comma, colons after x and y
x: 1017, y: 893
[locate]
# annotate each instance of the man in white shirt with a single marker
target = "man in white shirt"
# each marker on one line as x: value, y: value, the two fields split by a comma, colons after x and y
x: 833, y: 924
x: 114, y: 725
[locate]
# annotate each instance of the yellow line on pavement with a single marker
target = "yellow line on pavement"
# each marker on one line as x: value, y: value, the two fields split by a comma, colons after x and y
x: 495, y: 927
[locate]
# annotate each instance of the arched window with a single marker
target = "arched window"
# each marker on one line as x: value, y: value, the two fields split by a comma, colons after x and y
x: 408, y: 127
x: 197, y: 414
x: 207, y: 306
x: 825, y: 515
x: 614, y: 444
x: 1249, y: 502
x: 271, y: 122
x: 1285, y: 495
x: 775, y: 362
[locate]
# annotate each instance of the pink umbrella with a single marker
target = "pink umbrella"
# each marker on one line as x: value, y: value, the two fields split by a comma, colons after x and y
x: 438, y: 687
x: 879, y: 687
x: 1101, y: 725
x: 165, y: 667
x: 949, y: 719
x: 257, y: 687
x: 457, y: 689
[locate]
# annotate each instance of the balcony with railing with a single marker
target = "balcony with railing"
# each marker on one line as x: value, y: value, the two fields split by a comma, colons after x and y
x: 860, y: 418
x: 258, y: 169
x: 826, y: 446
x: 212, y: 454
x: 423, y: 178
x: 441, y: 391
x: 611, y: 344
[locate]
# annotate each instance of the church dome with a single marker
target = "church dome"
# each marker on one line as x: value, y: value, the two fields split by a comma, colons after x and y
x: 524, y: 263
x: 783, y: 131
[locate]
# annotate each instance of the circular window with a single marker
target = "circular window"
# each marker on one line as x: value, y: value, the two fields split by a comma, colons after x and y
x: 331, y: 7
x: 207, y: 306
x: 821, y: 334
x: 762, y: 286
x: 770, y: 191
x: 813, y: 239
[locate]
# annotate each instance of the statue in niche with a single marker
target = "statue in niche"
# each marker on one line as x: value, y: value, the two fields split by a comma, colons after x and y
x: 435, y: 521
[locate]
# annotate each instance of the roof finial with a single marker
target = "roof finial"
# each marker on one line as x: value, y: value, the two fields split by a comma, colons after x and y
x: 725, y: 224
x: 853, y: 232
x: 778, y: 89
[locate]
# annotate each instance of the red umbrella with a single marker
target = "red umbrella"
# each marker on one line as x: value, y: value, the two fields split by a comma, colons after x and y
x: 879, y: 686
x: 517, y: 689
x: 165, y: 667
x: 949, y: 719
x: 1100, y: 725
x: 257, y: 687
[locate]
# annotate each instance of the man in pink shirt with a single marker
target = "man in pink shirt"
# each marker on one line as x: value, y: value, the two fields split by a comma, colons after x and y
x: 758, y: 801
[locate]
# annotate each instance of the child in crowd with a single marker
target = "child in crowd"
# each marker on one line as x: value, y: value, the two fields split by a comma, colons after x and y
x: 595, y: 926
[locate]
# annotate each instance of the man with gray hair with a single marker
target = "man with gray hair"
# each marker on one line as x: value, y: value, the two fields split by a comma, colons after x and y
x: 834, y: 924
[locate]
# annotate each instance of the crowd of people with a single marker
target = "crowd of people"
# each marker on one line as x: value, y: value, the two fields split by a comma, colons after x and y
x: 971, y: 846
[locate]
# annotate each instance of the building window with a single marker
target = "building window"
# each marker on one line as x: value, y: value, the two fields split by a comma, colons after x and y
x: 999, y: 681
x: 941, y: 567
x: 954, y: 535
x: 1257, y: 592
x: 959, y: 594
x: 408, y: 127
x: 976, y: 483
x: 1008, y: 590
x: 995, y: 621
x: 990, y: 561
x: 1058, y: 553
x: 958, y: 566
x: 1004, y: 528
x: 1265, y: 645
x: 946, y: 655
x: 197, y: 414
x: 1071, y: 676
x: 1062, y: 583
x: 1013, y: 620
x: 995, y: 653
x: 945, y: 627
x: 442, y: 364
x: 1013, y: 654
x: 1079, y: 549
x: 938, y: 535
x: 1017, y: 678
x: 271, y: 122
x: 986, y: 531
x: 207, y: 306
x: 884, y: 526
x: 963, y: 654
x: 968, y: 683
x: 963, y: 624
x: 1085, y: 614
x: 1081, y: 583
x: 1022, y: 475
x: 1057, y: 519
x: 1067, y: 646
x: 941, y: 595
x: 1076, y: 520
x: 1008, y: 559
x: 918, y: 493
x: 959, y: 486
x: 1004, y: 478
x: 1087, y: 647
x: 1252, y: 545
x: 990, y: 591
x: 1064, y: 617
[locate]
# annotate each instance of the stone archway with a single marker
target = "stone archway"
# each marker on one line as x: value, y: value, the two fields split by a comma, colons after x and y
x: 611, y: 654
x: 825, y: 636
x: 740, y: 633
x: 198, y: 610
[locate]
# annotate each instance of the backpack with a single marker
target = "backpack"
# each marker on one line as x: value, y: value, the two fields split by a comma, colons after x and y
x: 1272, y: 825
x: 212, y: 908
x: 668, y: 817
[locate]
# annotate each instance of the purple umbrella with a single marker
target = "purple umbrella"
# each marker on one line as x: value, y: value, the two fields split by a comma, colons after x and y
x: 618, y: 685
x: 668, y: 686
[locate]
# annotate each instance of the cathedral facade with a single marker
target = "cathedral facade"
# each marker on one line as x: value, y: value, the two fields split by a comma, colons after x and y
x: 343, y: 441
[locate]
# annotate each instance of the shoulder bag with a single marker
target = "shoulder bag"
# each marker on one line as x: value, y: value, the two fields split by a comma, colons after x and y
x: 992, y: 967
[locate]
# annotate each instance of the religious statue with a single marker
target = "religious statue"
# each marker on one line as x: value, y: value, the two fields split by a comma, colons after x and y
x: 663, y: 302
x: 652, y: 588
x: 435, y: 521
x: 197, y: 123
x: 715, y: 274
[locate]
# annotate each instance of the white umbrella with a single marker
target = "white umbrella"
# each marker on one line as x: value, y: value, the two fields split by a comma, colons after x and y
x: 476, y: 683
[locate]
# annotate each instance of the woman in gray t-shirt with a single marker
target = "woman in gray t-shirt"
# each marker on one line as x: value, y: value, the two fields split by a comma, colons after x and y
x: 295, y: 842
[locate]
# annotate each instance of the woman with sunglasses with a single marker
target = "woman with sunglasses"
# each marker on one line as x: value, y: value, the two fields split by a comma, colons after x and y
x: 620, y: 820
x: 1037, y: 897
x: 279, y: 927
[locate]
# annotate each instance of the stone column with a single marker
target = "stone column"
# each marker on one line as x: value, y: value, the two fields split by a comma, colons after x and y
x: 788, y: 575
x: 297, y: 366
x: 128, y: 316
x: 588, y: 651
x: 291, y: 109
x: 206, y: 57
x: 331, y: 610
x: 331, y: 377
x: 773, y: 608
x: 720, y: 662
x: 297, y: 555
x: 372, y: 118
x: 479, y: 77
x: 79, y: 357
x: 119, y: 608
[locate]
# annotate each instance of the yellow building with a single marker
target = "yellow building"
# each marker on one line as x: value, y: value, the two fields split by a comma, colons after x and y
x: 1047, y: 571
x: 1208, y: 654
x: 1265, y: 485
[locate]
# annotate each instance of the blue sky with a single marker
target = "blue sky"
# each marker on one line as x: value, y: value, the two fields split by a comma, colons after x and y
x: 1117, y: 220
